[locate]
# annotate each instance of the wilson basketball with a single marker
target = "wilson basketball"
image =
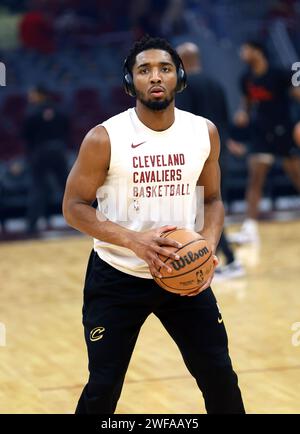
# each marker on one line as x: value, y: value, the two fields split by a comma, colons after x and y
x: 193, y: 268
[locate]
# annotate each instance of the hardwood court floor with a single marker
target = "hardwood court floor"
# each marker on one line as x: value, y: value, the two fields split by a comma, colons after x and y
x: 44, y: 366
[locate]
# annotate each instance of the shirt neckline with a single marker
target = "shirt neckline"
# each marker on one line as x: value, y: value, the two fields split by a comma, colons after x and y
x: 140, y: 123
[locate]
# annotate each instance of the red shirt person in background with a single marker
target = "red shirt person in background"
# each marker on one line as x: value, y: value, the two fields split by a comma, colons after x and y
x: 36, y: 32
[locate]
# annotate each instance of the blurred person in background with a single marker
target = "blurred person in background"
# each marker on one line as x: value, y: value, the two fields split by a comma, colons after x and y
x: 45, y: 132
x: 36, y: 31
x: 204, y: 96
x: 266, y: 111
x: 173, y: 22
x: 160, y: 17
x: 146, y: 16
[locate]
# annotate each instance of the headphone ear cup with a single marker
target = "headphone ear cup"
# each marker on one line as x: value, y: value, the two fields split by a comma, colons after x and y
x: 128, y: 83
x: 181, y: 80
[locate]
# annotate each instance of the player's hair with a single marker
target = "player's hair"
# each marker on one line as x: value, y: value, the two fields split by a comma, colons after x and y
x: 258, y: 45
x: 148, y: 43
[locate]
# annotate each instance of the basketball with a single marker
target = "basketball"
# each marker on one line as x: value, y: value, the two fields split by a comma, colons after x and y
x: 194, y: 267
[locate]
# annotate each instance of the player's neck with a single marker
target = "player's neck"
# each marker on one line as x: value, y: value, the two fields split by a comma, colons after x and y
x: 156, y: 120
x: 260, y: 67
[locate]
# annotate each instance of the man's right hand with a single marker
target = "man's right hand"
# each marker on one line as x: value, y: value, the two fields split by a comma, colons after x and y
x: 241, y: 119
x: 149, y: 244
x: 236, y: 148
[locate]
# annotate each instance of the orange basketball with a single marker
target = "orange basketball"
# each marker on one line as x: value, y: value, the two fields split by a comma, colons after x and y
x: 194, y: 267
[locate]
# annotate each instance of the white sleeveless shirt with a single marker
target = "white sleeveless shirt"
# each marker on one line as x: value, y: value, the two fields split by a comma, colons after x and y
x: 151, y: 180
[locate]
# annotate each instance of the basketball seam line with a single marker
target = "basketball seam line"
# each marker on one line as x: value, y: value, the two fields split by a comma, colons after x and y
x: 171, y: 277
x: 168, y: 232
x: 180, y: 291
x: 191, y: 242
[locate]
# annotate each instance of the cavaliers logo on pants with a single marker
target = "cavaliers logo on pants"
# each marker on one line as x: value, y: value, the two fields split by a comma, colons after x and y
x: 97, y: 334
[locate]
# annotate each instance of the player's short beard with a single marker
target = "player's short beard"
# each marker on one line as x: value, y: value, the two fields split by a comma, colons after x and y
x: 156, y: 105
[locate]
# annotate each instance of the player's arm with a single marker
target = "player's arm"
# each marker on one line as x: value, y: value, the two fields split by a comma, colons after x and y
x: 210, y: 179
x: 87, y: 175
x: 245, y: 103
x: 241, y: 117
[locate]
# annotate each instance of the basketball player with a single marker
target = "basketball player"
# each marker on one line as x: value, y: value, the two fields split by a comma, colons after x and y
x: 266, y: 110
x: 159, y: 154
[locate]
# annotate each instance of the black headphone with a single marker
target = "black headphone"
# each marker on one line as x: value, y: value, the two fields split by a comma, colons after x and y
x: 128, y: 80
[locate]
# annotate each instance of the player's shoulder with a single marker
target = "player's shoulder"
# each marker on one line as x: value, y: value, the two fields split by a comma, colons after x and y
x: 95, y: 143
x: 192, y: 119
x: 186, y: 115
x: 196, y: 123
x: 101, y: 132
x: 119, y: 118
